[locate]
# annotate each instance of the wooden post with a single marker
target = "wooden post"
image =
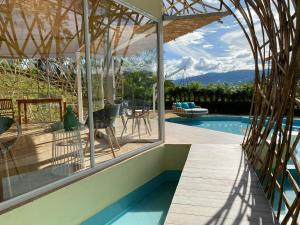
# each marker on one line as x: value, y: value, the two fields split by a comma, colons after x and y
x: 79, y: 88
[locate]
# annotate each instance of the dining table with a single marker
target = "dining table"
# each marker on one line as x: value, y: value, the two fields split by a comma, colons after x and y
x: 35, y: 101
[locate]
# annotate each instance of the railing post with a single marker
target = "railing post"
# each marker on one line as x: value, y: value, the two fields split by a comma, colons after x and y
x: 89, y: 79
x: 161, y: 80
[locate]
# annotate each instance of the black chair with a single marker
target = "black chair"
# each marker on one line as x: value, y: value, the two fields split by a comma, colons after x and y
x: 7, y: 144
x: 105, y: 119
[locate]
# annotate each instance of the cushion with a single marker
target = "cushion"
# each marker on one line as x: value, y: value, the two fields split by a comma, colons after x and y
x: 178, y: 104
x: 192, y: 105
x: 5, y: 124
x: 185, y: 105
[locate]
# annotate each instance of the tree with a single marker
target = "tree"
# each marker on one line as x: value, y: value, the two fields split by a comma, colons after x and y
x: 138, y: 86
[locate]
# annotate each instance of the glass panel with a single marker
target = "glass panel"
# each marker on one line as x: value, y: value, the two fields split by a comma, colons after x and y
x: 41, y: 74
x: 124, y: 74
x: 43, y: 88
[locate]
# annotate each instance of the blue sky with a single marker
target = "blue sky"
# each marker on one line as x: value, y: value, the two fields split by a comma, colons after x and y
x: 218, y: 47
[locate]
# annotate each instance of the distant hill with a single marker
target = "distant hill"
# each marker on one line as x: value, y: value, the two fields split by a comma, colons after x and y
x: 232, y: 77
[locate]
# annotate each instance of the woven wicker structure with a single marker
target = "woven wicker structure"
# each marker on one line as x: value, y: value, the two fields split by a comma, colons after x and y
x: 269, y: 141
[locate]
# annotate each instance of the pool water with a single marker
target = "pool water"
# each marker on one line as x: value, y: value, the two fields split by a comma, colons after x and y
x: 151, y: 210
x: 146, y: 205
x: 228, y: 124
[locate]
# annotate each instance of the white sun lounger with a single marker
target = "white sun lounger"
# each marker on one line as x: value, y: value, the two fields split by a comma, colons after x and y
x: 194, y: 112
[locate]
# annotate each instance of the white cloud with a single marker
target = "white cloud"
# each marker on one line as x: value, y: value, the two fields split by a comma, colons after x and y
x: 195, y: 37
x: 214, y: 48
x: 207, y: 46
x: 186, y: 62
x: 205, y: 64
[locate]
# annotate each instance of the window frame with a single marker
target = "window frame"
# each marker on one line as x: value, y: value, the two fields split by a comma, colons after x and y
x: 28, y: 197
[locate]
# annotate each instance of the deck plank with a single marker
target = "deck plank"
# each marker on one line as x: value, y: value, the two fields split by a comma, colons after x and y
x: 218, y: 186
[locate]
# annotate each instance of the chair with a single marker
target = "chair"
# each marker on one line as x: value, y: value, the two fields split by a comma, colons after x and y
x: 188, y: 109
x: 122, y: 112
x: 7, y: 144
x: 7, y: 108
x: 105, y: 119
x: 136, y: 114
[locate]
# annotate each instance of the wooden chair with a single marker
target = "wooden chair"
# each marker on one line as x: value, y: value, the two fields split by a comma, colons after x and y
x: 7, y: 108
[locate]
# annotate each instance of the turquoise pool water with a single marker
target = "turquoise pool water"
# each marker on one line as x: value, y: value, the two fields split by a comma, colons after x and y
x: 228, y: 124
x: 150, y: 210
x: 147, y: 205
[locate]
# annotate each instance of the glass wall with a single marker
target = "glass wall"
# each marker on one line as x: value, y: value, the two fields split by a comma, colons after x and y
x: 124, y: 76
x: 41, y: 65
x: 44, y: 122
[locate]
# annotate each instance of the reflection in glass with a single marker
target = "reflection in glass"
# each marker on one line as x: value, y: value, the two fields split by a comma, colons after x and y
x: 43, y: 72
x: 124, y: 73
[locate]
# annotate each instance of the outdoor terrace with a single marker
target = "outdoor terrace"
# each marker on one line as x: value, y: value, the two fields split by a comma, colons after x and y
x: 33, y: 153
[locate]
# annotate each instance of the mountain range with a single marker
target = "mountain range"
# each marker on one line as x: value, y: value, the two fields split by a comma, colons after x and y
x: 231, y: 77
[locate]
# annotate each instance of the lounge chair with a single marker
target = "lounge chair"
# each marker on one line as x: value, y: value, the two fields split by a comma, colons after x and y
x: 188, y: 109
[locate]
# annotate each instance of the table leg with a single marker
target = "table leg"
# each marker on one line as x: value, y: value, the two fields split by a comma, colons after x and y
x: 25, y: 112
x: 19, y: 113
x: 61, y: 110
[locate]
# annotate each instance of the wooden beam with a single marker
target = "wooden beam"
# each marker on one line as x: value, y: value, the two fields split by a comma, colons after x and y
x: 203, y: 15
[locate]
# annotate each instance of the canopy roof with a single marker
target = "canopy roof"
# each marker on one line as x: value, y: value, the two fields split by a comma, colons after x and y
x: 52, y: 28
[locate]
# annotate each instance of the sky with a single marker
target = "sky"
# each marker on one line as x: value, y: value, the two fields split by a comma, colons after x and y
x: 217, y: 47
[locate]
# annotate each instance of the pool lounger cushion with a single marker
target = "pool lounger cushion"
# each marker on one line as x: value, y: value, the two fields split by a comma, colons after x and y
x: 197, y: 110
x: 193, y: 111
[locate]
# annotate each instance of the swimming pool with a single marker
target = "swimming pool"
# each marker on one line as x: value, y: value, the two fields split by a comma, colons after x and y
x: 147, y: 205
x: 228, y: 124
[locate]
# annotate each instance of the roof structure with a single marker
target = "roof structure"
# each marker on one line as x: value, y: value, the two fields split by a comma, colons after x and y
x: 54, y: 28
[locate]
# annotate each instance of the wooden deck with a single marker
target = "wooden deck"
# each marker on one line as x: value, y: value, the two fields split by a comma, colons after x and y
x: 33, y: 153
x: 218, y: 187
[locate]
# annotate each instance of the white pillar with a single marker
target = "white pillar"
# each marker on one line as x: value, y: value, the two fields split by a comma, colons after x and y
x: 154, y: 97
x: 109, y: 69
x: 89, y: 80
x: 79, y: 88
x: 160, y: 83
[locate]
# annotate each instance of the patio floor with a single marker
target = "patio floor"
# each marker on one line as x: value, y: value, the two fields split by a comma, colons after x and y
x: 33, y: 154
x: 183, y: 134
x: 218, y: 186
